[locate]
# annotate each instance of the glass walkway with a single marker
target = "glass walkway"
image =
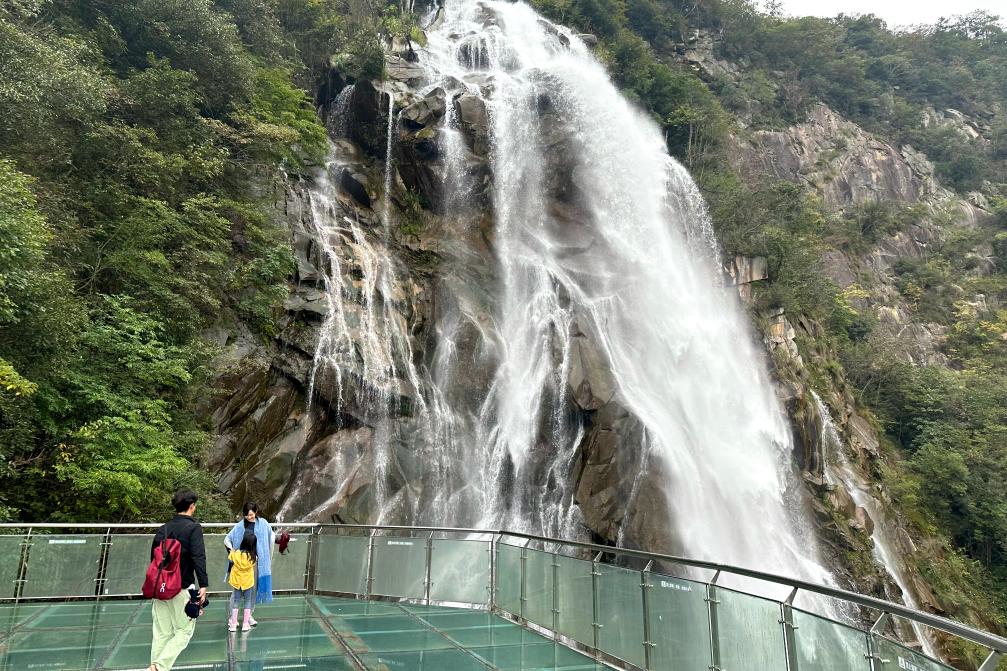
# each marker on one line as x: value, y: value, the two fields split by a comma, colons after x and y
x: 409, y: 598
x: 294, y: 632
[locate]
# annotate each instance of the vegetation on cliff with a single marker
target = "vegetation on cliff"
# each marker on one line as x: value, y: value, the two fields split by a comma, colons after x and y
x: 939, y: 89
x: 138, y: 144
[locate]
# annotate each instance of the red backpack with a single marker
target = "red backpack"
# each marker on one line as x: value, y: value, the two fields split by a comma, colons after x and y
x: 164, y: 576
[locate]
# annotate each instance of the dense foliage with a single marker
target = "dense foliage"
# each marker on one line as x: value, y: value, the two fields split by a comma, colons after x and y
x: 135, y: 139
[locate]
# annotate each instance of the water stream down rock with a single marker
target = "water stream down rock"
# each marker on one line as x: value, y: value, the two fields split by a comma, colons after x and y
x: 509, y: 311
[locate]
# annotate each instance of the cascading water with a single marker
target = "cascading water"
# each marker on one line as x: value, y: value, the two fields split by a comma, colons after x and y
x: 623, y: 269
x: 603, y: 242
x: 839, y: 471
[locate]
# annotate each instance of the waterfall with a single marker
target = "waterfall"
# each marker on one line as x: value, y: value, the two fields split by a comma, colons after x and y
x: 604, y: 263
x: 631, y: 266
x: 839, y: 471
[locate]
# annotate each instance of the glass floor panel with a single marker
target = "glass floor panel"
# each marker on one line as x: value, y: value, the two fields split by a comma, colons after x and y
x: 303, y: 632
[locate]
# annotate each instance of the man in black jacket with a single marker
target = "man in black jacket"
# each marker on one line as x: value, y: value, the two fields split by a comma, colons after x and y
x: 172, y: 627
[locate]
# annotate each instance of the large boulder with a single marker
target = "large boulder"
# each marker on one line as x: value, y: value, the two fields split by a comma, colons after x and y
x: 367, y: 119
x: 417, y: 157
x: 471, y: 110
x: 424, y: 112
x: 591, y: 382
x: 400, y: 70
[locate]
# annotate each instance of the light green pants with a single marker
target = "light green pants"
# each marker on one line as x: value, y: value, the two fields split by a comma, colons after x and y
x: 172, y: 630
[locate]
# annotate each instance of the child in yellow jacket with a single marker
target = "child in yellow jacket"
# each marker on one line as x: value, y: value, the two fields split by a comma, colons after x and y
x: 242, y: 581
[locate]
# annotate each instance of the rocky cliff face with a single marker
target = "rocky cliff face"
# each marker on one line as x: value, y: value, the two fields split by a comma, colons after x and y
x: 324, y: 459
x: 848, y: 168
x: 321, y: 460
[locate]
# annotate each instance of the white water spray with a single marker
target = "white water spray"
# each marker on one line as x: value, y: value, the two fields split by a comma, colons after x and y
x: 600, y: 238
x: 635, y: 267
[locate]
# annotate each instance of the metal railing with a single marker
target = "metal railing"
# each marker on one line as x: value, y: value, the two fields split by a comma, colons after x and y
x: 634, y: 618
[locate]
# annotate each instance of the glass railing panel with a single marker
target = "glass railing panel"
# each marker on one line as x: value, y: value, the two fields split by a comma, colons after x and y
x: 342, y: 563
x: 10, y: 564
x: 679, y: 623
x: 575, y: 594
x: 290, y: 568
x: 538, y: 588
x: 460, y: 571
x: 508, y: 578
x: 620, y: 613
x: 63, y: 565
x: 216, y: 561
x: 126, y: 565
x: 750, y: 632
x: 824, y: 645
x: 891, y: 655
x: 400, y: 566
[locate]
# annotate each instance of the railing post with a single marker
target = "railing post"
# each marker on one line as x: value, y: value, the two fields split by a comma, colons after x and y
x: 877, y: 663
x: 524, y: 579
x: 311, y: 561
x: 787, y: 622
x: 555, y: 597
x: 370, y: 565
x: 493, y: 539
x: 712, y: 602
x: 991, y: 662
x: 595, y: 605
x: 106, y: 549
x: 492, y: 571
x: 648, y: 640
x: 22, y: 574
x: 427, y: 581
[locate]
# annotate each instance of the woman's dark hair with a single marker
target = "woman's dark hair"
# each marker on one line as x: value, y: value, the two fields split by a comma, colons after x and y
x: 248, y: 546
x: 182, y: 499
x: 249, y: 505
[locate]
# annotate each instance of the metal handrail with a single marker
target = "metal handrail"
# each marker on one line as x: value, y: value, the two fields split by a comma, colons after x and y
x: 986, y: 639
x: 997, y: 644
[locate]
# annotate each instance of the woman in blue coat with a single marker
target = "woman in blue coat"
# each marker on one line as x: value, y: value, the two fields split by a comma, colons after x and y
x: 264, y: 536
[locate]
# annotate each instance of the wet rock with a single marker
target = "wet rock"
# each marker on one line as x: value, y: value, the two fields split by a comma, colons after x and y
x: 307, y: 300
x: 417, y: 161
x: 424, y: 112
x: 401, y: 70
x: 614, y: 499
x: 861, y: 521
x: 557, y: 34
x: 807, y: 431
x: 355, y: 184
x: 333, y: 478
x: 367, y: 118
x: 474, y: 53
x: 588, y: 39
x: 437, y: 21
x: 471, y: 111
x: 841, y: 501
x: 590, y: 378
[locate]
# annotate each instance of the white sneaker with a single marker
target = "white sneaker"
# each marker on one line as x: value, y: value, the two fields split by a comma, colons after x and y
x: 232, y: 625
x: 251, y: 621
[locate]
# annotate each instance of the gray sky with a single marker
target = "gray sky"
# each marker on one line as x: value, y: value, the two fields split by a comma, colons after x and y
x: 894, y: 12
